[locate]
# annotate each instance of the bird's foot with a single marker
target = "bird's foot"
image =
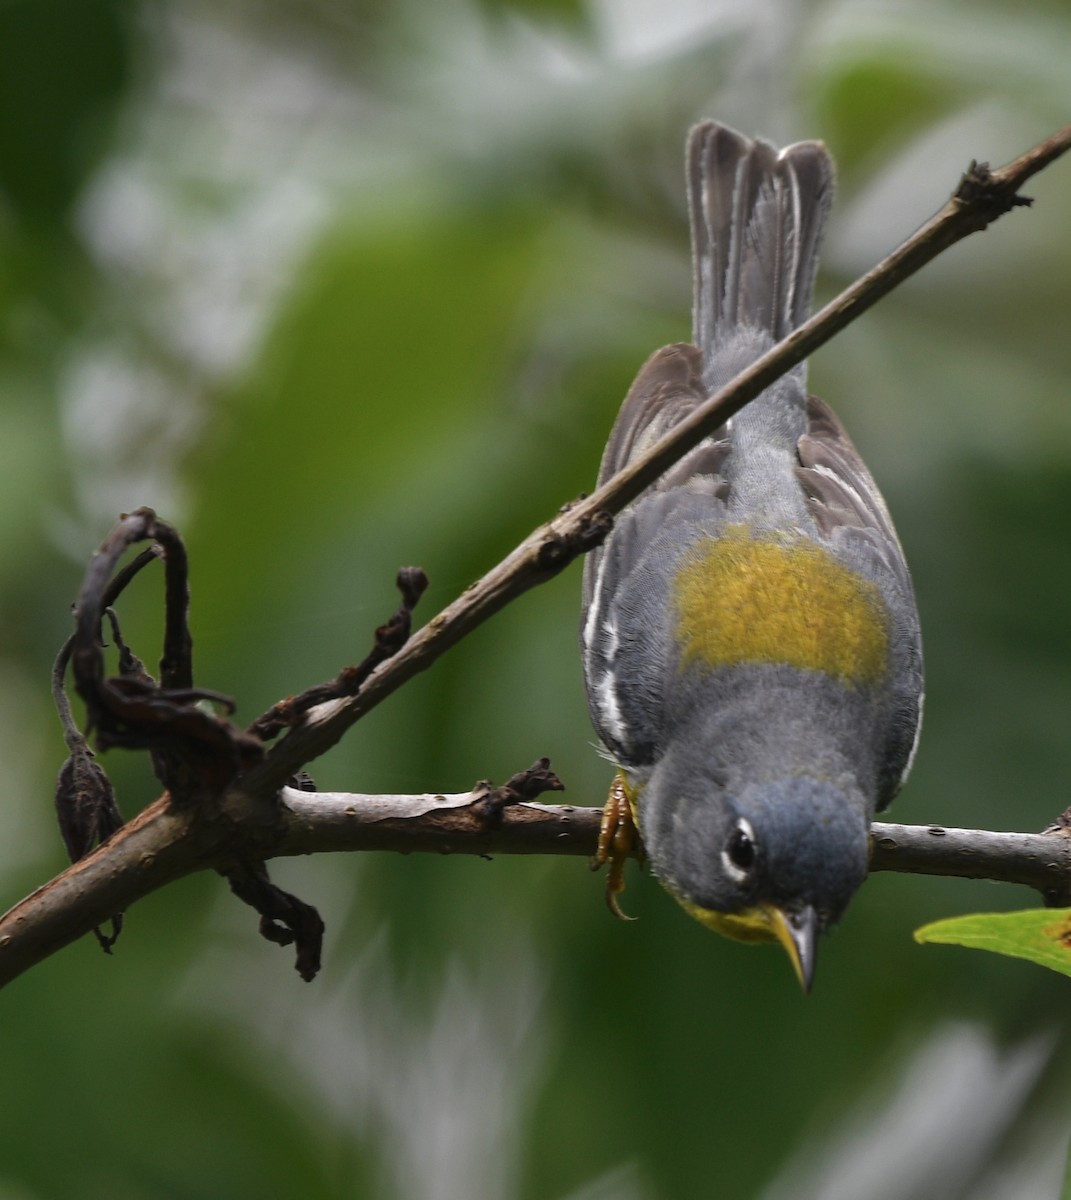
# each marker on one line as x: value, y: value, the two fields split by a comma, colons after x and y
x: 619, y: 840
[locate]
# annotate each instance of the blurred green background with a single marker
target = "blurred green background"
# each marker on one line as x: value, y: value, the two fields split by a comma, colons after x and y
x: 341, y: 285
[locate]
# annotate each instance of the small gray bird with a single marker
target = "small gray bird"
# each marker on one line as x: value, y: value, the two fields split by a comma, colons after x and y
x: 750, y: 639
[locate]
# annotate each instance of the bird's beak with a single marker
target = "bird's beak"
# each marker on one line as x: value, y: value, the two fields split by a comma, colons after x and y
x: 798, y: 933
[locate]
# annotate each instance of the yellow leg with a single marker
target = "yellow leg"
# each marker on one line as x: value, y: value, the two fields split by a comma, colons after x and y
x: 619, y: 840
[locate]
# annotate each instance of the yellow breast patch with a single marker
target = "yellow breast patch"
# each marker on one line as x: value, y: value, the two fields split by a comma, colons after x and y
x: 746, y: 599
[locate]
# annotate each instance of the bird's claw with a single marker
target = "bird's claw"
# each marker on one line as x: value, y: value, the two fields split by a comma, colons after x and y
x: 619, y: 840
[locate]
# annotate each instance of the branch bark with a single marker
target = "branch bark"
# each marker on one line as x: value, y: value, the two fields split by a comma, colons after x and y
x: 257, y: 817
x: 319, y: 822
x: 166, y: 842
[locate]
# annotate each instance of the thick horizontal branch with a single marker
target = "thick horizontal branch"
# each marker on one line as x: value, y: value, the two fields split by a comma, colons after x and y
x: 1037, y: 860
x: 321, y: 822
x: 158, y: 846
x: 317, y: 822
x: 164, y: 843
x: 981, y: 197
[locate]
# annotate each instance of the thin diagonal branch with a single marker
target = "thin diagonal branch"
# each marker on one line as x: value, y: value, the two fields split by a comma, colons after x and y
x: 981, y: 197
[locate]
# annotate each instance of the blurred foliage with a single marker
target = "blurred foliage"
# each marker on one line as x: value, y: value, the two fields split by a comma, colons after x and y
x: 342, y: 285
x: 64, y: 69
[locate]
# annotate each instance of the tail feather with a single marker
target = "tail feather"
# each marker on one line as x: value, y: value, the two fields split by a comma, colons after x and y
x: 757, y: 218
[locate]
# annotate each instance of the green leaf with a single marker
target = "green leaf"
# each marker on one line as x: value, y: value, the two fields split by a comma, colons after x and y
x: 1043, y: 935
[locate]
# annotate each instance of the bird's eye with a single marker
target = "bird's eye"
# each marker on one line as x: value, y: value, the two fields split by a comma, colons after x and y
x: 741, y: 850
x: 739, y: 855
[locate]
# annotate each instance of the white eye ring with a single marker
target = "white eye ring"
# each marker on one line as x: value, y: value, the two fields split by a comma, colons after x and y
x: 739, y: 855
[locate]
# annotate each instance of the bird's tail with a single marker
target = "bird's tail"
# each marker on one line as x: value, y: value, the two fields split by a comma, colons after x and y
x: 757, y: 217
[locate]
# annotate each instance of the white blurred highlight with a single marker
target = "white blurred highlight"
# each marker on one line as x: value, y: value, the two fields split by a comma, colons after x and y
x: 934, y: 1131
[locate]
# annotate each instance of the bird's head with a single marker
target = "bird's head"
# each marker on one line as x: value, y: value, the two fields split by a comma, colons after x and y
x: 777, y: 860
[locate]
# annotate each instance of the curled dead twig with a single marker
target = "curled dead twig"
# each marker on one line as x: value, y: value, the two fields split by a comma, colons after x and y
x: 389, y: 639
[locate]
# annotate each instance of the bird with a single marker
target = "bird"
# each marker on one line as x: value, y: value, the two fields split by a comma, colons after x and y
x: 749, y: 633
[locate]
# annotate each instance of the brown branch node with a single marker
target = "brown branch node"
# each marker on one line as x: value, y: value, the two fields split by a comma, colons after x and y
x: 526, y: 785
x: 560, y: 546
x: 990, y: 195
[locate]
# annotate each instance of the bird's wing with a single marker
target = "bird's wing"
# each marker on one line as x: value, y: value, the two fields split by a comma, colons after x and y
x: 668, y: 387
x: 626, y: 579
x: 851, y: 514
